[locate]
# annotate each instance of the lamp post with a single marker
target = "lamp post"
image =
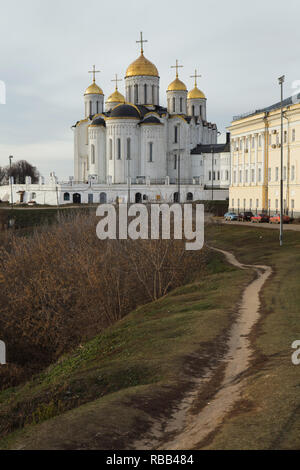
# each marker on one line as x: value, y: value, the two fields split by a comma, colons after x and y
x: 10, y: 179
x: 281, y: 81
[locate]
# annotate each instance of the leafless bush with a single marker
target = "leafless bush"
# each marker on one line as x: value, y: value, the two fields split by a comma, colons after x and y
x: 62, y: 286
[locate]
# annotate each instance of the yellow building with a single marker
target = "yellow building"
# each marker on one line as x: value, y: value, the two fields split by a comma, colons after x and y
x: 255, y: 160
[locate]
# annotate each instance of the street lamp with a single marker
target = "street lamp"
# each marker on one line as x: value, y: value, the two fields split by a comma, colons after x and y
x: 10, y: 179
x: 281, y: 81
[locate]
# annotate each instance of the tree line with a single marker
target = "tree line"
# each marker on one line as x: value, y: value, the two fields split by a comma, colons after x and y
x: 19, y: 170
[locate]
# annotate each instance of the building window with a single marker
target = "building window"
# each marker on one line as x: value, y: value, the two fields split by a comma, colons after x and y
x: 200, y: 111
x: 246, y: 176
x: 119, y: 149
x: 293, y: 135
x: 292, y: 173
x: 276, y: 173
x: 93, y: 154
x: 145, y: 94
x: 129, y: 94
x: 270, y: 139
x: 176, y: 134
x: 259, y: 175
x: 293, y: 203
x: 259, y: 140
x: 276, y: 204
x: 227, y: 175
x: 33, y: 196
x: 175, y: 162
x: 252, y: 176
x: 250, y: 204
x: 241, y: 176
x: 128, y: 149
x: 241, y: 144
x: 244, y: 203
x: 209, y: 176
x: 238, y: 201
x: 97, y: 106
x: 232, y: 203
x: 284, y: 173
x: 234, y: 176
x: 285, y: 137
x: 174, y: 107
x: 153, y: 94
x: 277, y: 139
x: 218, y: 176
x: 269, y: 203
x: 257, y: 203
x: 136, y: 94
x: 269, y: 174
x: 181, y: 107
x: 151, y: 152
x: 110, y: 149
x: 66, y: 197
x: 253, y: 142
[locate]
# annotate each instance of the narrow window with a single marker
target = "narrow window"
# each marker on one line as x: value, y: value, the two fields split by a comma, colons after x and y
x: 257, y: 203
x: 293, y: 203
x: 91, y: 108
x: 151, y: 152
x: 119, y: 148
x: 232, y: 203
x: 293, y: 173
x: 97, y: 107
x: 129, y: 94
x: 193, y: 110
x: 128, y: 149
x: 284, y: 173
x: 259, y: 141
x: 174, y: 108
x: 277, y: 173
x: 181, y: 105
x: 246, y: 176
x: 136, y: 94
x: 145, y: 93
x: 259, y: 174
x: 175, y: 162
x: 252, y: 176
x: 110, y: 149
x: 285, y: 137
x: 175, y: 134
x: 209, y: 177
x: 153, y: 95
x: 293, y: 135
x: 93, y: 154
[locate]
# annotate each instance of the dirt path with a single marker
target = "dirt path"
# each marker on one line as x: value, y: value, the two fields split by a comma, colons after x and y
x: 187, y: 430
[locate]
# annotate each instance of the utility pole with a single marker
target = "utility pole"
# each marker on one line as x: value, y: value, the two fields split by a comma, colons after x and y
x: 10, y: 179
x: 212, y: 172
x: 281, y: 81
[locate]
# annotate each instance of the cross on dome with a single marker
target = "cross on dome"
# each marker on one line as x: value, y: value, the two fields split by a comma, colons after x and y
x: 195, y: 77
x: 94, y: 71
x: 177, y: 66
x: 116, y: 80
x: 142, y: 42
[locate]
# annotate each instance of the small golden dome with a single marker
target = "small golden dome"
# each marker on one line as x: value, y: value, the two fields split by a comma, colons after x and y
x: 142, y: 66
x: 116, y: 97
x: 196, y: 94
x: 177, y: 85
x: 93, y: 89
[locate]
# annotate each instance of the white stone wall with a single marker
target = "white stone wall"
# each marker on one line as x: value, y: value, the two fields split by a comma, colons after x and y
x: 141, y: 82
x: 177, y: 96
x: 93, y: 104
x: 199, y: 108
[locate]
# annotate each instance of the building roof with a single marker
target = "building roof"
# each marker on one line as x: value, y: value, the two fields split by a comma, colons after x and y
x: 125, y: 110
x: 287, y: 102
x: 99, y: 121
x: 151, y: 120
x: 212, y: 148
x: 141, y: 67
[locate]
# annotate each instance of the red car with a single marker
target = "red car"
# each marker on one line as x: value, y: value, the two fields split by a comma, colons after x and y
x: 260, y: 218
x: 275, y: 219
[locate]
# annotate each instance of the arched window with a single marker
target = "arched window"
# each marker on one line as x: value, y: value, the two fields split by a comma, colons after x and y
x: 91, y: 109
x: 175, y: 134
x: 97, y: 107
x: 93, y: 155
x: 193, y: 110
x: 151, y: 152
x: 128, y: 149
x: 200, y: 111
x: 66, y: 197
x: 110, y: 149
x: 174, y: 105
x: 129, y: 94
x: 153, y: 95
x: 145, y: 94
x: 136, y: 94
x: 181, y: 105
x: 189, y: 197
x: 119, y: 149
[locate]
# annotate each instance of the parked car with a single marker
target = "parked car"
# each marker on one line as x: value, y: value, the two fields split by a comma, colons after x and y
x: 230, y: 216
x: 260, y: 218
x: 245, y: 216
x: 275, y: 219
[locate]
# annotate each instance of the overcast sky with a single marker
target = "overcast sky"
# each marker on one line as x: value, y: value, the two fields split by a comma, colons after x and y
x: 47, y: 48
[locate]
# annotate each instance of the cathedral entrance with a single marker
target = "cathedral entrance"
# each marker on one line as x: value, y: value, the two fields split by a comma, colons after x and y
x: 103, y: 198
x: 176, y: 197
x: 138, y: 198
x: 189, y: 197
x: 76, y: 198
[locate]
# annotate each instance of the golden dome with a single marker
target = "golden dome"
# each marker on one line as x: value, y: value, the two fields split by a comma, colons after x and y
x: 142, y: 66
x: 177, y: 85
x: 93, y: 89
x: 116, y: 97
x: 196, y: 94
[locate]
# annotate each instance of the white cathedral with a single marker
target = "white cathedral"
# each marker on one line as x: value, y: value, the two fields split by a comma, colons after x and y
x: 131, y: 147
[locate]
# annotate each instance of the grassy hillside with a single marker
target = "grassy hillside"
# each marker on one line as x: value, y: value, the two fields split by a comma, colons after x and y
x: 105, y: 393
x: 268, y: 415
